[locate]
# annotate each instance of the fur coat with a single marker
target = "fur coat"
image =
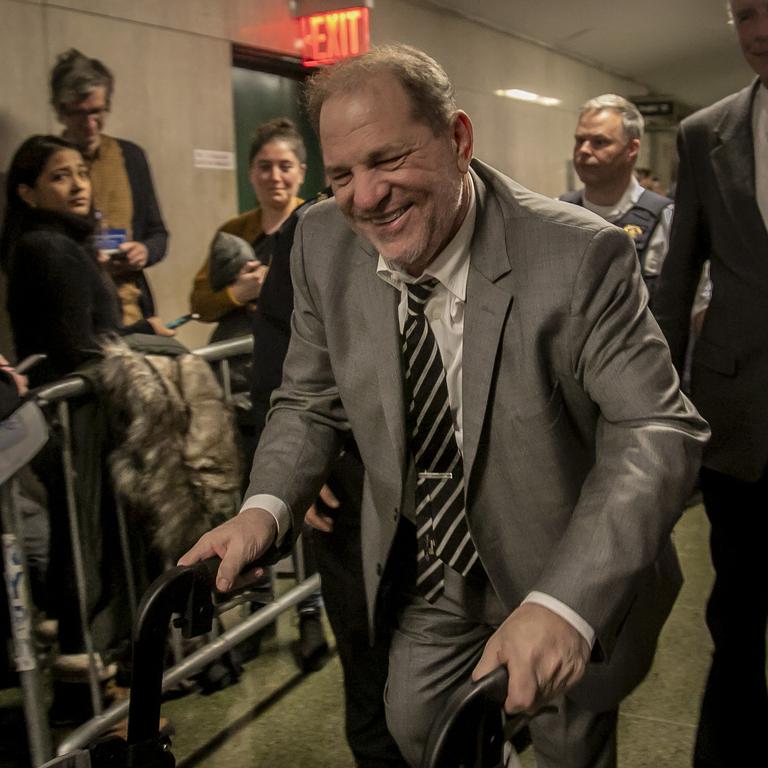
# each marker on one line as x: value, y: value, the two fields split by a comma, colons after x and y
x: 175, y: 463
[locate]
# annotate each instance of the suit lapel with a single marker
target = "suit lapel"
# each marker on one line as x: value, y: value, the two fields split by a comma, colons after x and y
x: 486, y: 311
x: 383, y: 332
x: 733, y: 159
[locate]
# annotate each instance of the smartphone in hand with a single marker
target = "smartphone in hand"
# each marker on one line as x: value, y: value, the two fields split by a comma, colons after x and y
x: 179, y: 321
x: 110, y: 241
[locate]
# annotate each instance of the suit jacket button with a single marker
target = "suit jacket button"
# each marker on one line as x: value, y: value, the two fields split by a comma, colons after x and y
x: 394, y: 514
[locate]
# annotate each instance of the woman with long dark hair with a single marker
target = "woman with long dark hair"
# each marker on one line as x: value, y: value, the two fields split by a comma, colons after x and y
x: 60, y: 299
x: 62, y: 302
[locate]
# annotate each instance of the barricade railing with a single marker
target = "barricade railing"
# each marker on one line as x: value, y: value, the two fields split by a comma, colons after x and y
x: 195, y: 661
x: 22, y: 435
x: 56, y: 398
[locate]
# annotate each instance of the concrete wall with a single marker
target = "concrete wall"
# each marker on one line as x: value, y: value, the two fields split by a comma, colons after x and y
x: 529, y: 142
x: 172, y: 64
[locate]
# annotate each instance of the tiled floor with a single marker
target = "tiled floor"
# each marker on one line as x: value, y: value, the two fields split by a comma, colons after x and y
x: 657, y: 722
x: 276, y: 717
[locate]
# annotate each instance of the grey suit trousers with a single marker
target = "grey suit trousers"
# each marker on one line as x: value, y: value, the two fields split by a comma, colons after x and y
x: 434, y: 650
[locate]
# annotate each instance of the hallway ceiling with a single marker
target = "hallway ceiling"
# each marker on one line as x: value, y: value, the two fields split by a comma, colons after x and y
x: 681, y: 48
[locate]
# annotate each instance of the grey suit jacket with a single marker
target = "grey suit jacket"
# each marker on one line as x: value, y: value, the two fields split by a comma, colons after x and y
x: 717, y: 218
x: 579, y: 449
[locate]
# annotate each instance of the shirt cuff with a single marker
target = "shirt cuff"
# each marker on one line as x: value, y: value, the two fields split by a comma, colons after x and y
x: 564, y: 612
x: 277, y: 508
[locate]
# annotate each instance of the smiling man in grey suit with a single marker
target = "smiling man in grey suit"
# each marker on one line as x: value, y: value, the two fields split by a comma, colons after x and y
x: 526, y: 447
x: 722, y: 216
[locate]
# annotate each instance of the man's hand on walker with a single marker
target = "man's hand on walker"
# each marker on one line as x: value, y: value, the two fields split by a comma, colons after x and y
x: 543, y: 653
x: 238, y: 542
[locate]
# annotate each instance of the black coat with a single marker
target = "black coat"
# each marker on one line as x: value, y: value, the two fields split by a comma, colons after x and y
x: 59, y: 299
x: 271, y: 322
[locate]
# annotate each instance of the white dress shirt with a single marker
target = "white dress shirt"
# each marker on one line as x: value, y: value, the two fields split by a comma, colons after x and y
x: 658, y: 245
x: 760, y: 140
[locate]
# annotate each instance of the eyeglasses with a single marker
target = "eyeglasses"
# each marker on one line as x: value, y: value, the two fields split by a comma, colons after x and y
x: 85, y: 114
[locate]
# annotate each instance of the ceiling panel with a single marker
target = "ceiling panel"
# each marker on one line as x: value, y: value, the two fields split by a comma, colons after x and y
x: 684, y: 48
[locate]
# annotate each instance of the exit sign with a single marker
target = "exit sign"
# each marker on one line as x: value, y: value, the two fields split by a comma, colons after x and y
x: 333, y: 35
x: 656, y: 108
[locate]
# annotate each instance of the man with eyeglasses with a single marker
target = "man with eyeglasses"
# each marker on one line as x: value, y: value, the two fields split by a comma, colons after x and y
x: 124, y: 196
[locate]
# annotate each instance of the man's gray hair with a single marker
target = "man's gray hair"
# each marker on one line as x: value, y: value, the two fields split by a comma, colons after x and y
x: 631, y: 119
x: 75, y: 75
x: 423, y: 79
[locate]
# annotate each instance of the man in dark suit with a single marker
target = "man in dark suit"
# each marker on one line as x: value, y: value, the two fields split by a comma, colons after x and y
x: 721, y: 213
x: 526, y: 447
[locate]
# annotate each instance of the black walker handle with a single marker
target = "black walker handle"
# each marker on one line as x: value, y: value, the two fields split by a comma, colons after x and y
x: 188, y: 591
x: 470, y: 729
x: 185, y: 590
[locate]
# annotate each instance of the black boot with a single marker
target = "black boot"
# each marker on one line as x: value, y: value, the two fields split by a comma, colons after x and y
x: 311, y: 649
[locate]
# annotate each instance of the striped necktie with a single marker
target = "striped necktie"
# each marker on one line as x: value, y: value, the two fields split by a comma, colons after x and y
x: 441, y: 520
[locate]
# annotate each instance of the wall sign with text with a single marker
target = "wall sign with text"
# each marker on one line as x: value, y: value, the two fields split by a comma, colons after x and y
x: 333, y: 35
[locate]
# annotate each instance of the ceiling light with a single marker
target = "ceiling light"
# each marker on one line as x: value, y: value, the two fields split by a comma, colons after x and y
x: 529, y: 96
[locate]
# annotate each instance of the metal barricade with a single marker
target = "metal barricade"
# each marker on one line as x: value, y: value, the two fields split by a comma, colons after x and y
x: 22, y: 436
x: 57, y: 397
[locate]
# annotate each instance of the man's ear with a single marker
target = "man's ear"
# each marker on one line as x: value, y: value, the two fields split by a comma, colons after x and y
x: 462, y: 137
x: 634, y: 148
x: 27, y: 194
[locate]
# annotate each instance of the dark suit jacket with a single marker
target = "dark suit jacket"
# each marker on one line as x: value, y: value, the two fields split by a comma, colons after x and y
x: 147, y: 225
x: 579, y: 449
x: 717, y: 218
x: 271, y: 322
